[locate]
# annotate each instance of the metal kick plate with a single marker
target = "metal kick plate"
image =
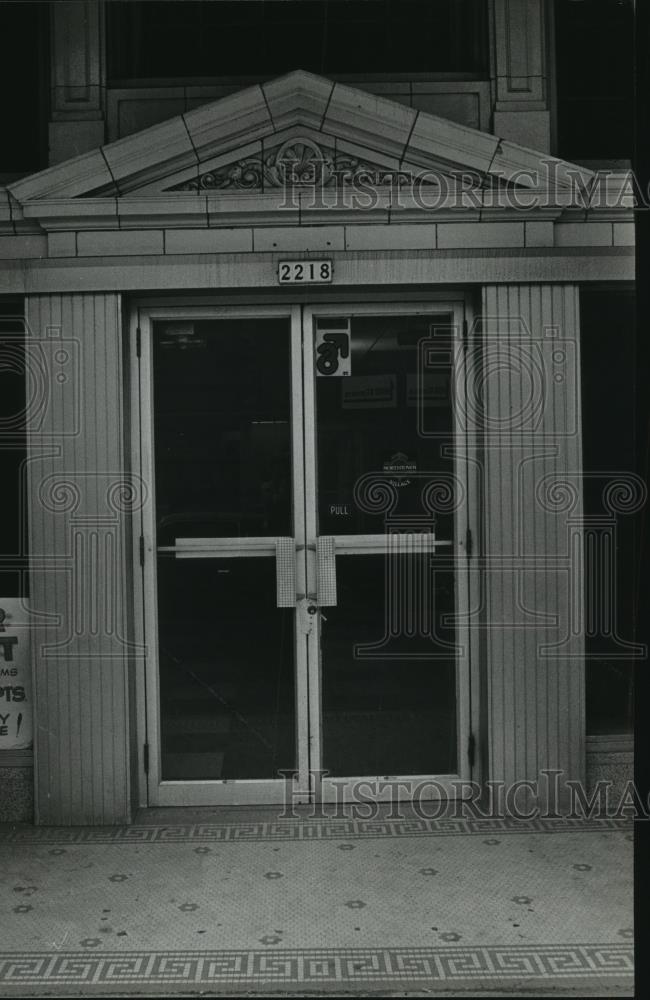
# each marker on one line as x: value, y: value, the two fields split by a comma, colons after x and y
x: 285, y: 572
x: 326, y: 549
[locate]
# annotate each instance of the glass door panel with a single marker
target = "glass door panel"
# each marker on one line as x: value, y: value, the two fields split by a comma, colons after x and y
x: 222, y: 428
x: 227, y: 693
x: 371, y: 422
x: 390, y: 506
x: 225, y: 421
x: 389, y: 695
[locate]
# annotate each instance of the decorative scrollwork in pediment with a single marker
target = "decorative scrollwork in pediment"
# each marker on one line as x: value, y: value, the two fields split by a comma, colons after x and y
x: 296, y: 163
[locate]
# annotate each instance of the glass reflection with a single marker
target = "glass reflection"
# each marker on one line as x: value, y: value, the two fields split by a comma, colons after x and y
x: 385, y: 418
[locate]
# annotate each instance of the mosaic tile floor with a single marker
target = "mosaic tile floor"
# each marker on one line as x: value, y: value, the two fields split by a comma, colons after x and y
x: 215, y: 902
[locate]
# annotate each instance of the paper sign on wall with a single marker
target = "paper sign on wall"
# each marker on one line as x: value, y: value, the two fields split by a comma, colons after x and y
x: 15, y: 676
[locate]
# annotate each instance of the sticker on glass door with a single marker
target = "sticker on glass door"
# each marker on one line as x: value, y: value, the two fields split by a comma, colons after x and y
x: 333, y: 352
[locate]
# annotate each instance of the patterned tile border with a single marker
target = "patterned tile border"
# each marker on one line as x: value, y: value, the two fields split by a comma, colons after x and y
x: 313, y: 967
x: 299, y: 830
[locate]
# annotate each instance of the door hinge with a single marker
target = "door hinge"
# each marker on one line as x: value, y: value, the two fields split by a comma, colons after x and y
x: 138, y: 341
x: 469, y: 542
x: 465, y: 334
x: 145, y: 757
x: 142, y: 550
x: 471, y: 749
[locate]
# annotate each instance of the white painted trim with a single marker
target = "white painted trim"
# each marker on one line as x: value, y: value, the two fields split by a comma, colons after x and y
x: 216, y: 209
x: 299, y: 99
x: 177, y: 91
x: 302, y: 792
x: 148, y: 576
x: 360, y: 269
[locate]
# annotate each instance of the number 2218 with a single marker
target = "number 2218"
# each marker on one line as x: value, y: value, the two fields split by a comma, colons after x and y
x: 304, y: 271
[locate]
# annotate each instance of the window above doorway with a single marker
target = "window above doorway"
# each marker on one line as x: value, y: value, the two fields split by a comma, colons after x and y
x: 263, y: 38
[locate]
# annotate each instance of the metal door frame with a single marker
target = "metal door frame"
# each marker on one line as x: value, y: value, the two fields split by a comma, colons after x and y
x: 218, y: 791
x: 153, y: 792
x: 404, y: 787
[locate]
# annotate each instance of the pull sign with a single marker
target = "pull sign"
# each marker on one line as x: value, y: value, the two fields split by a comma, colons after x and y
x: 305, y: 272
x: 333, y: 355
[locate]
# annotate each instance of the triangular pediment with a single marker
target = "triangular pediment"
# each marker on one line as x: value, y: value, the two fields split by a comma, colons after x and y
x: 299, y: 128
x: 298, y: 158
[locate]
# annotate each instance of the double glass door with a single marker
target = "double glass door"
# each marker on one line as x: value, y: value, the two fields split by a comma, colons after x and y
x: 304, y: 552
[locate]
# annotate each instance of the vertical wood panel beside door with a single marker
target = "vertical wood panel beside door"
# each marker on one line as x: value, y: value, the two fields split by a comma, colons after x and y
x: 78, y: 506
x: 531, y: 383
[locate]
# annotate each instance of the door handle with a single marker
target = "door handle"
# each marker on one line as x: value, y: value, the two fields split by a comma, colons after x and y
x: 326, y: 551
x: 285, y: 572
